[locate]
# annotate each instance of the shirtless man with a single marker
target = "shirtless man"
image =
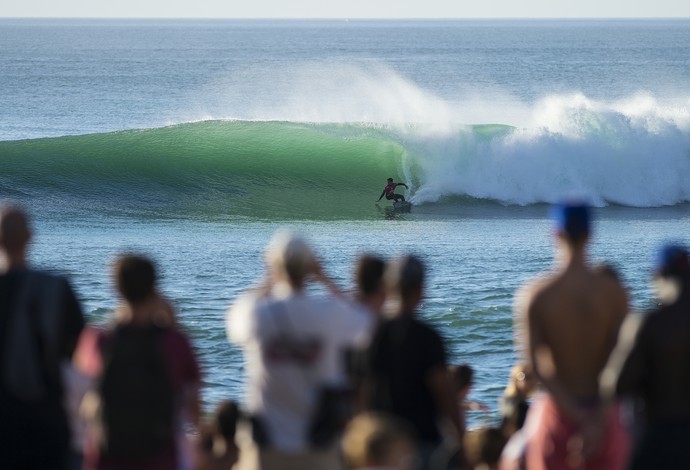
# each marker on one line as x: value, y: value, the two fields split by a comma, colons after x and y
x: 572, y: 317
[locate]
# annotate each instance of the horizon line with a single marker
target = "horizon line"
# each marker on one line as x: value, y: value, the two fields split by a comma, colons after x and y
x: 344, y: 19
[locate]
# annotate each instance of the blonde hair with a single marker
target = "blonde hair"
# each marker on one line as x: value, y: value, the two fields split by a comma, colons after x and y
x: 290, y: 254
x: 519, y: 374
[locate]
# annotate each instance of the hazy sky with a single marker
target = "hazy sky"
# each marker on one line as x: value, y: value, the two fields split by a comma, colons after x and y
x: 345, y: 9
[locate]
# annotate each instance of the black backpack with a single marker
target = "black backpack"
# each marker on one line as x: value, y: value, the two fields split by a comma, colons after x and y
x: 137, y: 395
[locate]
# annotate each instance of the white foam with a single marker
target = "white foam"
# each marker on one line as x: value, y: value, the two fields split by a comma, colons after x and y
x: 633, y: 152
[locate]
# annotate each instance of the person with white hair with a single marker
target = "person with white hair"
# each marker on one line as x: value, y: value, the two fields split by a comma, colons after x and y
x: 294, y: 344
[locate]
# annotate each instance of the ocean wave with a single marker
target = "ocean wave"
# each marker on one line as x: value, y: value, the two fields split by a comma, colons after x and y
x: 631, y: 153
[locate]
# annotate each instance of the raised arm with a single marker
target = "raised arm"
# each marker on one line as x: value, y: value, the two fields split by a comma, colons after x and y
x: 321, y: 276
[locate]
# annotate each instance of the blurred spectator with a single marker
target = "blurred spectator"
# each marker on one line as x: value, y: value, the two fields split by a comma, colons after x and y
x: 147, y: 378
x: 407, y: 365
x: 572, y: 317
x: 216, y: 448
x: 294, y: 345
x: 514, y: 402
x: 40, y: 323
x: 371, y: 291
x: 483, y: 448
x: 462, y: 379
x: 652, y: 365
x: 369, y: 299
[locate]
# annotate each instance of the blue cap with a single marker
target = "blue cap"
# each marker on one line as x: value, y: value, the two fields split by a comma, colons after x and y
x: 571, y: 218
x: 672, y: 260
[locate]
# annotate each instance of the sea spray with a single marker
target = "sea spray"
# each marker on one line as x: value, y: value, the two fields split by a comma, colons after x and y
x: 620, y: 153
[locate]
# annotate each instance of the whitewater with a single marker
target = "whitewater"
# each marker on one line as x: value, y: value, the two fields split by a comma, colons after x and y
x: 193, y: 141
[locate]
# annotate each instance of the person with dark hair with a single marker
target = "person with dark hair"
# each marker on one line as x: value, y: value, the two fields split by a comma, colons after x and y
x: 389, y: 191
x: 483, y: 448
x: 371, y: 291
x: 147, y: 378
x: 40, y: 324
x: 407, y: 374
x: 135, y: 279
x: 462, y: 376
x: 370, y: 295
x: 294, y: 345
x: 652, y: 364
x: 572, y: 319
x: 462, y: 379
x: 216, y: 448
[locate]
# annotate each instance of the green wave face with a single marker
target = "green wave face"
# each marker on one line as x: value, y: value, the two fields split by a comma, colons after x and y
x: 213, y: 169
x: 300, y: 171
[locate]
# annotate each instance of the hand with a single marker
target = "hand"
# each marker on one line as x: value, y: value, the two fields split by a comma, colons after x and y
x: 592, y: 432
x: 264, y: 287
x: 320, y: 275
x: 317, y: 271
x: 479, y: 406
x: 589, y: 438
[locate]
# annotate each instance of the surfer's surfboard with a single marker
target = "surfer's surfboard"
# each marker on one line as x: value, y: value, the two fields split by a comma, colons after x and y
x: 400, y: 206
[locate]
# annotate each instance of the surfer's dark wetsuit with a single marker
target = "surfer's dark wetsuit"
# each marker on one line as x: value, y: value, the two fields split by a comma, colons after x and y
x: 389, y: 192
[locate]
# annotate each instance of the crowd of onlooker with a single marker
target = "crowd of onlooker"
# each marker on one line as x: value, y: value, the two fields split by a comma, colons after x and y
x: 335, y: 380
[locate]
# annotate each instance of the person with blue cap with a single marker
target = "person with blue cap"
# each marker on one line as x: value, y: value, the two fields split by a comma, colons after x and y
x: 571, y: 319
x: 652, y: 364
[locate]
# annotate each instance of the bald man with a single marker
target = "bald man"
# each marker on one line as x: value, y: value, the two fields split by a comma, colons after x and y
x: 40, y: 322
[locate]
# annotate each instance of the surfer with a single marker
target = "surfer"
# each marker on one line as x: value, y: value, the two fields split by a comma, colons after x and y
x: 389, y: 191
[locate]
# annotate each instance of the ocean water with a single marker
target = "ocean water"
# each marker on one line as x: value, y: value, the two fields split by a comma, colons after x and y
x: 193, y: 141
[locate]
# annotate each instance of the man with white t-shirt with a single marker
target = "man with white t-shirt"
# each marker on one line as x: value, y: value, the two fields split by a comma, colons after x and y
x: 294, y: 343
